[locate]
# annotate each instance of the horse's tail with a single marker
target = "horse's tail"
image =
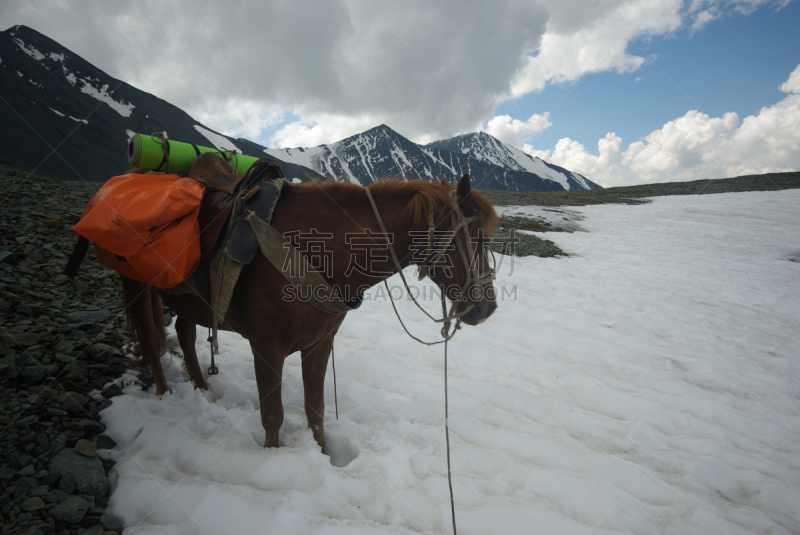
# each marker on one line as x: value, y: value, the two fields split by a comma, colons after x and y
x: 144, y: 317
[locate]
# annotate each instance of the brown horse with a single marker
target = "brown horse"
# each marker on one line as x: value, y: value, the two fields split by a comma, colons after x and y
x: 267, y: 311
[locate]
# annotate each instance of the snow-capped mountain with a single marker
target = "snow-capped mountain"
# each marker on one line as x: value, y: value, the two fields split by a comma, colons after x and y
x: 481, y: 146
x: 381, y: 152
x: 67, y: 118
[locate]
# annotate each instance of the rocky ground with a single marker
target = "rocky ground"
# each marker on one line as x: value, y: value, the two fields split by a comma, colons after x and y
x: 636, y: 194
x: 61, y: 342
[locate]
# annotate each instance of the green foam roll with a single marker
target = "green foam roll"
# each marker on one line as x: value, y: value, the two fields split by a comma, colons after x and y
x: 147, y: 152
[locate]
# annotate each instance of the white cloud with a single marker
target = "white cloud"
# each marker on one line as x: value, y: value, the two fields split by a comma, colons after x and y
x: 595, y: 41
x: 694, y: 146
x: 703, y: 18
x: 515, y: 132
x: 326, y: 129
x: 427, y: 69
x: 242, y: 118
x: 792, y: 85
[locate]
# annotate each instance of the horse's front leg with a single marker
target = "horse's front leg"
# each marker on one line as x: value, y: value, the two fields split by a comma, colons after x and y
x: 268, y: 362
x: 315, y: 364
x: 187, y: 334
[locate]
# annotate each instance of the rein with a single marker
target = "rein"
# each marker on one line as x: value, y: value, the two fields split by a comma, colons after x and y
x: 458, y: 222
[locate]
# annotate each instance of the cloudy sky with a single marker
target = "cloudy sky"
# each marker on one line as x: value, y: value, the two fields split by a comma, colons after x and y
x: 623, y: 91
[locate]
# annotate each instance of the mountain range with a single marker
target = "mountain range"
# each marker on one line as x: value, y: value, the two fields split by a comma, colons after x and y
x: 63, y: 116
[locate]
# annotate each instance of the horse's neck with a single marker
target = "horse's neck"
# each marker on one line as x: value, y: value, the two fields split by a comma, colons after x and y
x: 354, y: 239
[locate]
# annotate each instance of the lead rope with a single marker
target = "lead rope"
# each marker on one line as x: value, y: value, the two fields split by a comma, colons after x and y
x: 446, y: 334
x: 447, y: 440
x: 446, y: 412
x: 335, y: 399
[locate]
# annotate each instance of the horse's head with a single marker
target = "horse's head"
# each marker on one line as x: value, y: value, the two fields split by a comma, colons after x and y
x: 461, y: 262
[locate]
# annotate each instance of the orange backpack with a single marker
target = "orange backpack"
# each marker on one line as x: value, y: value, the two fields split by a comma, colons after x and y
x: 145, y: 227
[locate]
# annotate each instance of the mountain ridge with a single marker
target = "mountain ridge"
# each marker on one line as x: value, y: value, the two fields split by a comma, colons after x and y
x: 52, y: 95
x: 381, y: 151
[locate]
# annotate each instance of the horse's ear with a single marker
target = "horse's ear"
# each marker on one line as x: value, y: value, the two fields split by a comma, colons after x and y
x: 444, y: 181
x: 465, y: 196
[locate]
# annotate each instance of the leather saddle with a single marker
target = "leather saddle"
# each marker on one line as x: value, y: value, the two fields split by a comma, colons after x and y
x: 223, y: 187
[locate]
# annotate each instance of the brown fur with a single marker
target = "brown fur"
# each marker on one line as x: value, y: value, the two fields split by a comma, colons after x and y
x: 277, y: 327
x: 145, y: 322
x: 420, y: 191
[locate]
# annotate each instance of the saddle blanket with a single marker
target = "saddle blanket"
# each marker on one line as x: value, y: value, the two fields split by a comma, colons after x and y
x: 146, y: 227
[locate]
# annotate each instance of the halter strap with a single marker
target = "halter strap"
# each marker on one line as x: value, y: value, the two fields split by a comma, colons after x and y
x: 458, y: 221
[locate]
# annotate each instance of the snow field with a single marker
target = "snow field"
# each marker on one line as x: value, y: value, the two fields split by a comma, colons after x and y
x: 646, y: 384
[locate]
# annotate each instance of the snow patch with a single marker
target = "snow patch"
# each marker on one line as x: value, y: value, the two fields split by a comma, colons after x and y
x: 129, y: 133
x: 84, y: 121
x: 645, y: 384
x: 56, y: 112
x: 29, y: 49
x: 102, y: 94
x: 57, y: 57
x: 220, y: 142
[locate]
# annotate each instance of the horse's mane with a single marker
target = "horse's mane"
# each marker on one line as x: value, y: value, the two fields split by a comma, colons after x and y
x: 420, y: 191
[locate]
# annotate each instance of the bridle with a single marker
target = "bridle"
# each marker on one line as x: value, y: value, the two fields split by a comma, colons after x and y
x: 459, y: 222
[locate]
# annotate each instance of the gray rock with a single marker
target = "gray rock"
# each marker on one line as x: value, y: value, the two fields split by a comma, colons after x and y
x: 97, y: 529
x: 33, y: 374
x: 71, y: 510
x: 6, y: 256
x: 104, y: 352
x: 64, y: 345
x: 56, y: 496
x: 23, y: 308
x: 41, y: 490
x: 64, y: 359
x: 112, y: 522
x: 111, y: 391
x: 86, y: 448
x: 43, y: 441
x: 91, y: 316
x: 27, y: 471
x: 90, y: 478
x: 28, y: 420
x: 32, y: 504
x: 81, y: 286
x: 105, y: 442
x: 6, y: 473
x: 67, y: 484
x: 19, y: 339
x: 27, y: 482
x: 76, y: 366
x: 73, y: 400
x: 58, y: 444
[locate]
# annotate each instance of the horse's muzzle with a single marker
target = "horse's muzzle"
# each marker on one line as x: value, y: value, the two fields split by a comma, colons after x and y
x: 482, y: 310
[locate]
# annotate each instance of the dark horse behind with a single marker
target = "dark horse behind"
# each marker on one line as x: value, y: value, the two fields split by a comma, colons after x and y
x: 276, y: 326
